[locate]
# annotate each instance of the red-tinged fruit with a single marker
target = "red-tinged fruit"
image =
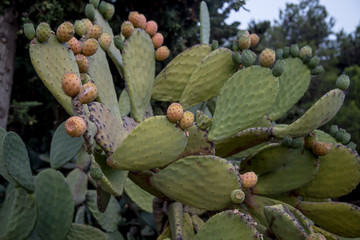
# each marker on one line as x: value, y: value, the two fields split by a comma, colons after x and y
x: 75, y: 45
x: 254, y: 39
x: 95, y: 32
x: 141, y: 21
x: 158, y: 40
x: 88, y: 93
x: 71, y: 84
x: 88, y: 24
x: 75, y: 126
x: 65, y: 32
x: 162, y: 53
x: 187, y: 120
x: 127, y: 29
x: 90, y: 47
x: 151, y: 28
x: 134, y: 18
x: 248, y: 179
x: 174, y: 112
x: 321, y: 149
x: 105, y: 41
x: 82, y: 62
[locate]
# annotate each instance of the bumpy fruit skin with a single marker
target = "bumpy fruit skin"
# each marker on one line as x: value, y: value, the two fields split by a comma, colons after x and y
x: 119, y: 43
x: 88, y: 24
x: 105, y: 41
x: 71, y: 84
x: 248, y: 179
x: 254, y: 39
x: 88, y: 93
x: 267, y: 57
x: 244, y: 42
x: 187, y: 120
x: 141, y: 21
x: 315, y: 236
x: 95, y: 32
x: 237, y: 196
x: 157, y: 40
x: 162, y: 53
x: 133, y: 17
x: 151, y: 28
x: 29, y: 31
x: 127, y: 29
x: 310, y: 140
x: 65, y: 32
x: 82, y: 62
x: 80, y: 28
x: 90, y: 47
x: 305, y: 51
x: 109, y: 13
x: 75, y: 126
x: 138, y: 20
x: 174, y: 112
x: 84, y: 77
x: 321, y: 149
x: 343, y: 82
x: 279, y: 68
x: 43, y: 32
x: 75, y: 45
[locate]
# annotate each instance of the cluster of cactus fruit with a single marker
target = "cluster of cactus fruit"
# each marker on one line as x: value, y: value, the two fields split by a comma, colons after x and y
x: 222, y: 169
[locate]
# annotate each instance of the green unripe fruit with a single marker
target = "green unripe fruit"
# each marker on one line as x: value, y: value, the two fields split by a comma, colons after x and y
x: 236, y: 57
x: 214, y: 45
x: 286, y: 52
x: 343, y: 82
x: 103, y: 7
x: 29, y: 31
x: 279, y: 53
x: 294, y: 50
x: 267, y: 57
x: 90, y: 11
x: 84, y: 77
x: 95, y: 3
x: 235, y: 46
x: 119, y: 43
x: 352, y: 145
x: 306, y: 59
x: 278, y: 68
x: 65, y: 32
x: 96, y: 173
x: 247, y: 58
x: 314, y: 61
x: 342, y: 136
x: 346, y: 138
x: 109, y: 13
x: 80, y: 28
x: 297, y: 142
x: 43, y: 32
x: 315, y: 236
x: 242, y: 33
x: 333, y: 130
x: 237, y: 196
x: 203, y: 121
x: 244, y: 42
x: 305, y: 51
x: 317, y: 70
x: 105, y: 41
x: 286, y: 141
x: 310, y: 140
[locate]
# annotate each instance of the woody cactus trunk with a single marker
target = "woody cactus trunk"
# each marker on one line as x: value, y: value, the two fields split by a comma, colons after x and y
x: 217, y: 165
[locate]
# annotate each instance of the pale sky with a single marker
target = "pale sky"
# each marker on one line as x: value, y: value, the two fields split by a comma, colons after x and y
x: 346, y: 13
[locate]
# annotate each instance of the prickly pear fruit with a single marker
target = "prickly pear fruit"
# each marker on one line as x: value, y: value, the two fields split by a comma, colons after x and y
x: 352, y: 145
x: 65, y: 32
x: 317, y: 70
x: 96, y: 173
x: 43, y: 32
x: 305, y: 51
x: 279, y: 68
x: 119, y: 43
x: 75, y: 126
x: 297, y: 142
x: 248, y: 179
x: 310, y: 140
x: 95, y: 32
x: 95, y: 3
x: 105, y: 41
x: 133, y: 17
x: 333, y: 130
x: 82, y: 62
x: 127, y: 28
x: 342, y: 136
x: 314, y: 61
x: 29, y: 31
x: 214, y: 45
x: 174, y: 112
x: 267, y: 57
x: 286, y: 141
x: 321, y: 148
x: 162, y: 53
x: 88, y: 24
x: 75, y: 45
x: 103, y: 7
x: 279, y: 53
x: 90, y: 47
x: 286, y: 52
x: 243, y: 33
x: 80, y: 28
x: 90, y: 11
x: 244, y: 42
x: 247, y: 58
x: 88, y: 93
x: 187, y: 120
x: 237, y: 196
x: 315, y: 236
x: 343, y: 82
x: 109, y: 13
x: 236, y: 58
x: 84, y: 77
x: 254, y: 39
x: 157, y: 40
x: 71, y: 84
x: 235, y: 46
x: 151, y: 28
x: 294, y: 50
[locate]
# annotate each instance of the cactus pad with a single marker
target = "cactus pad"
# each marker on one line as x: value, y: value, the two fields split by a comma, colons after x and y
x: 209, y: 77
x: 153, y: 143
x: 170, y: 82
x: 3, y: 168
x: 204, y: 182
x: 139, y: 65
x: 124, y: 103
x: 204, y: 23
x: 51, y: 60
x: 244, y: 99
x: 227, y: 225
x: 54, y: 198
x: 293, y: 83
x: 175, y: 213
x: 319, y: 114
x: 77, y: 181
x: 142, y: 199
x: 338, y: 175
x: 85, y: 232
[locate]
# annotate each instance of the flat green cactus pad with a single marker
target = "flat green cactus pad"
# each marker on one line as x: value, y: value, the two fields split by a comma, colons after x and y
x: 139, y: 66
x: 319, y: 114
x: 153, y: 143
x: 142, y: 198
x: 63, y: 147
x: 56, y: 205
x: 107, y: 220
x: 204, y: 182
x: 142, y: 179
x: 324, y: 137
x: 293, y: 83
x: 17, y: 162
x: 204, y: 23
x: 242, y: 141
x: 227, y: 225
x: 78, y: 181
x: 17, y: 215
x: 100, y: 73
x: 250, y: 151
x: 111, y: 132
x: 197, y: 222
x: 209, y: 77
x: 124, y: 103
x: 197, y: 143
x: 244, y: 100
x: 338, y: 175
x: 3, y: 168
x: 298, y: 170
x: 51, y: 59
x: 337, y: 217
x: 115, y: 236
x: 329, y: 235
x: 80, y: 215
x: 170, y: 82
x: 85, y: 232
x: 175, y: 214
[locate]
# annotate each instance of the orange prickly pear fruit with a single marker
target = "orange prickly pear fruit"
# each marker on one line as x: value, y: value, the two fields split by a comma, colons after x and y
x: 162, y: 53
x: 321, y: 148
x: 71, y: 84
x: 127, y: 28
x: 65, y: 32
x: 75, y: 126
x: 151, y: 28
x: 174, y: 112
x: 82, y: 62
x: 88, y: 93
x: 248, y: 179
x: 90, y: 47
x: 267, y: 57
x: 75, y: 45
x: 254, y: 39
x: 187, y: 120
x: 157, y: 40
